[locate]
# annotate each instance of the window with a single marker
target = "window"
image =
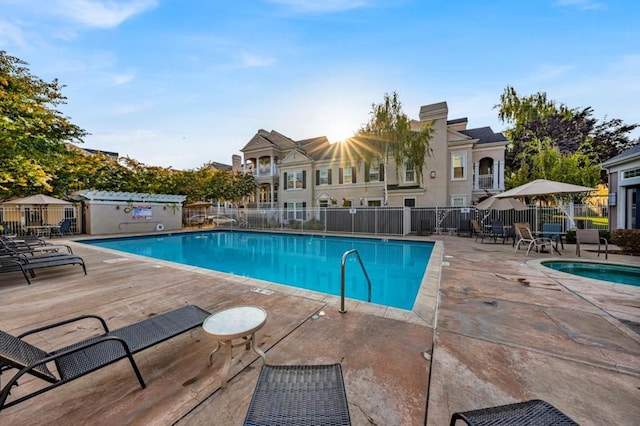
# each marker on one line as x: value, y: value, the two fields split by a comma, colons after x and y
x: 458, y: 163
x: 409, y: 202
x: 628, y: 174
x: 323, y: 177
x: 374, y: 203
x: 458, y: 200
x: 295, y: 210
x: 323, y: 202
x: 264, y: 165
x: 347, y: 174
x: 295, y: 180
x: 374, y: 171
x: 409, y: 173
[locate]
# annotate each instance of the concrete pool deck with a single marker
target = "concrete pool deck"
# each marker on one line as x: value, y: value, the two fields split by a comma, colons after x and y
x: 505, y: 331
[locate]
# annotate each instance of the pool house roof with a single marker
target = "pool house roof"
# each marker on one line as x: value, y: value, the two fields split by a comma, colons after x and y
x: 91, y: 195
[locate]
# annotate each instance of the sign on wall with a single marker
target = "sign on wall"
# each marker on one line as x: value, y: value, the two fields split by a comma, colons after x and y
x: 141, y: 213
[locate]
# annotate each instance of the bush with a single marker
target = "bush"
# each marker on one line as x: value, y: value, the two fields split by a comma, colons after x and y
x: 627, y: 239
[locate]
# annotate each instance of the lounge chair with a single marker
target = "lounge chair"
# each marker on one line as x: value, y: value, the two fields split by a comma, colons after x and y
x: 526, y: 237
x: 591, y: 236
x: 292, y: 395
x: 22, y: 263
x: 32, y: 246
x: 84, y: 357
x: 534, y: 412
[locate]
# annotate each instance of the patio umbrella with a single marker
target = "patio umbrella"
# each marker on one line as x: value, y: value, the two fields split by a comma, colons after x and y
x: 546, y: 187
x: 543, y: 187
x: 495, y: 203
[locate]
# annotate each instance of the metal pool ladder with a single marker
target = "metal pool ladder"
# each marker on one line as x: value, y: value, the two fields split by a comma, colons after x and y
x: 344, y: 259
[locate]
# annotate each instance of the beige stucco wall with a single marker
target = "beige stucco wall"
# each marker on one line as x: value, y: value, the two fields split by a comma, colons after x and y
x: 117, y: 218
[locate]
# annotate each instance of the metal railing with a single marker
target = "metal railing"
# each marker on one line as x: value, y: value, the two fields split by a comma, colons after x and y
x: 400, y: 221
x: 342, y: 267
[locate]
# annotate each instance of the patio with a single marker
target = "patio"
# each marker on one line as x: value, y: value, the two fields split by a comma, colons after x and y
x: 505, y: 332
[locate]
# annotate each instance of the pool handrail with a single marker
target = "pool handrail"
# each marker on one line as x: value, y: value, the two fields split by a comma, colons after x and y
x: 344, y: 259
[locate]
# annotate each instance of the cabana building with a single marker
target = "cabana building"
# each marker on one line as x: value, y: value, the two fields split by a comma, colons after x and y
x: 105, y: 212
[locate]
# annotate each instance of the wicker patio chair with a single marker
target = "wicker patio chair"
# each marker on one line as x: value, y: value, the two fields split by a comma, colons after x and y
x: 84, y: 357
x: 288, y: 395
x: 531, y: 413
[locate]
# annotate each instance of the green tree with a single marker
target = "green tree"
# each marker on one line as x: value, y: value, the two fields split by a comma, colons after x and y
x: 388, y: 135
x: 548, y: 162
x: 33, y: 132
x: 571, y: 130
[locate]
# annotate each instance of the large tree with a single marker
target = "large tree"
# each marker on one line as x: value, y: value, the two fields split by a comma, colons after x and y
x: 535, y: 118
x: 32, y: 131
x: 388, y: 136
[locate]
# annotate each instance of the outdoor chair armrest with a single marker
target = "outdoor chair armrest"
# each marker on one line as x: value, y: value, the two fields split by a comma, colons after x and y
x: 68, y: 321
x: 52, y: 358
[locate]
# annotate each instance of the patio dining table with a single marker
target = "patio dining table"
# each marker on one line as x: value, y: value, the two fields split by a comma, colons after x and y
x: 40, y: 230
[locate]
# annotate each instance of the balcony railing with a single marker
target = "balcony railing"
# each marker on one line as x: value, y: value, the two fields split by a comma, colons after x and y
x: 264, y: 172
x: 485, y: 181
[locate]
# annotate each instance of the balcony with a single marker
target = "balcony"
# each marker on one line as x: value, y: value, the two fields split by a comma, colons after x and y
x: 485, y: 182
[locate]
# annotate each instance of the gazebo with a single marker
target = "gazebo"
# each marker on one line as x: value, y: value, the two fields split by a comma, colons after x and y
x: 36, y: 210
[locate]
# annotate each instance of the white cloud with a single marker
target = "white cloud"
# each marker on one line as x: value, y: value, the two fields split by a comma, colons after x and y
x: 581, y: 4
x: 132, y: 109
x: 546, y: 72
x: 11, y: 35
x: 251, y: 60
x: 122, y: 78
x: 322, y: 6
x: 100, y: 14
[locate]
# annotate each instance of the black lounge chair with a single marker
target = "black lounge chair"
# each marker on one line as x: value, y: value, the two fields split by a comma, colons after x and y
x: 292, y: 395
x: 532, y: 413
x: 82, y: 358
x: 22, y: 263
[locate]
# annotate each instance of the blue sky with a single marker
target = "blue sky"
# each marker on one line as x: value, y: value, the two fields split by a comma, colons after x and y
x: 182, y: 82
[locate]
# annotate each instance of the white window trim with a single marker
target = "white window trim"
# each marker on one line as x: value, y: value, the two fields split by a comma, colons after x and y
x: 453, y: 197
x: 374, y: 170
x: 326, y: 171
x: 344, y: 174
x: 295, y: 174
x: 464, y: 165
x: 415, y: 201
x: 296, y: 212
x: 404, y: 174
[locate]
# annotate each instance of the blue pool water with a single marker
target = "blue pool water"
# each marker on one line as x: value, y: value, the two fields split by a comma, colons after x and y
x: 600, y: 271
x: 395, y: 267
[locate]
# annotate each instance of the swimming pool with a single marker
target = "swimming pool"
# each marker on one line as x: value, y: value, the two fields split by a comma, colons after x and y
x: 396, y: 268
x: 619, y: 274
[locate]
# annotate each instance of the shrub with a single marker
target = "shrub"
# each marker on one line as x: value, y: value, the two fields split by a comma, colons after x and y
x: 627, y: 239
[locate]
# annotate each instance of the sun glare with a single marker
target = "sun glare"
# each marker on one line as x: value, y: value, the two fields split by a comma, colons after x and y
x: 340, y: 134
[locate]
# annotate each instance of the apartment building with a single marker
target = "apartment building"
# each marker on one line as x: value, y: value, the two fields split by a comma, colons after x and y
x: 465, y: 165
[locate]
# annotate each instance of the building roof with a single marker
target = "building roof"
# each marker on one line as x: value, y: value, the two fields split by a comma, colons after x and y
x: 220, y: 166
x: 629, y: 154
x: 484, y: 135
x: 458, y: 121
x: 136, y: 197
